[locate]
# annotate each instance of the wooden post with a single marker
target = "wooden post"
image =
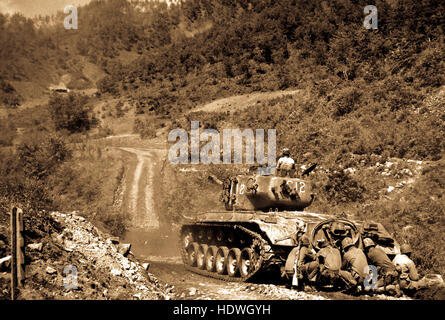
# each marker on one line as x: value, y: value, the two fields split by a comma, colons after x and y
x: 20, y: 249
x: 17, y: 251
x: 13, y: 226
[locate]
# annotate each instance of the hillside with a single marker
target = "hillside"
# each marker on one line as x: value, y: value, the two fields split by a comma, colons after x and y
x: 367, y: 105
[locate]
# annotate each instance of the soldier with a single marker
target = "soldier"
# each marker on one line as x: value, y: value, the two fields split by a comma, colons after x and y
x: 354, y: 260
x: 338, y: 232
x: 285, y: 164
x: 329, y: 259
x: 306, y: 266
x: 408, y: 276
x: 378, y: 258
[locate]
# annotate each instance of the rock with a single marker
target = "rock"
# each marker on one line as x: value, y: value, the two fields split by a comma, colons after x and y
x: 350, y: 170
x: 390, y: 189
x: 126, y: 264
x: 388, y: 164
x: 116, y: 272
x: 146, y: 266
x: 5, y: 263
x: 50, y: 270
x: 407, y: 172
x: 35, y: 246
x: 59, y: 238
x: 124, y: 248
x: 192, y: 291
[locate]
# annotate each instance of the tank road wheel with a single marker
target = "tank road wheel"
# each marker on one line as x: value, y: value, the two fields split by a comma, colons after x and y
x: 210, y: 235
x: 231, y: 237
x: 233, y: 259
x: 221, y: 260
x: 200, y: 262
x: 246, y: 263
x: 187, y: 238
x: 192, y: 251
x: 210, y: 257
x: 219, y: 236
x: 201, y: 235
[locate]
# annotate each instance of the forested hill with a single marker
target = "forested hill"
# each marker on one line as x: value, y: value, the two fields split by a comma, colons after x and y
x: 170, y: 58
x: 369, y: 105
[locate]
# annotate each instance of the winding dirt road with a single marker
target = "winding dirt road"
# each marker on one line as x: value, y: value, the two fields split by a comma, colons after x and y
x: 141, y: 206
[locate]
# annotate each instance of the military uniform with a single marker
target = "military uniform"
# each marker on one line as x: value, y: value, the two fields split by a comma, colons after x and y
x: 285, y: 164
x: 307, y: 264
x: 384, y: 265
x: 330, y: 262
x: 408, y: 278
x: 354, y: 260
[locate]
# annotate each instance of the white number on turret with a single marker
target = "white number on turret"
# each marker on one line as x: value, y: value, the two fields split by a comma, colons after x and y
x: 302, y: 185
x: 242, y: 187
x: 298, y: 188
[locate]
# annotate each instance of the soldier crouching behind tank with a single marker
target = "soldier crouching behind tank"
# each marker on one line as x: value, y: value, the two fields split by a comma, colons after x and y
x: 330, y: 272
x: 354, y: 261
x: 306, y: 265
x: 408, y: 276
x: 388, y: 275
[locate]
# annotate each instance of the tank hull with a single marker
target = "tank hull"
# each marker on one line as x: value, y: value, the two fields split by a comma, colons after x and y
x: 252, y: 242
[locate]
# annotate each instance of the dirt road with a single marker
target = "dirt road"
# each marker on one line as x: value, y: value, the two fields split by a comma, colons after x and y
x: 140, y: 194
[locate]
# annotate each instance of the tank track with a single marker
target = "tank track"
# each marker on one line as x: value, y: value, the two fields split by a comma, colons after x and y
x: 258, y: 245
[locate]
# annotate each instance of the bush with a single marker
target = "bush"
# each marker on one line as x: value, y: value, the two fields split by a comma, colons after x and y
x: 8, y: 95
x: 70, y: 113
x: 108, y: 85
x: 41, y: 157
x: 145, y: 128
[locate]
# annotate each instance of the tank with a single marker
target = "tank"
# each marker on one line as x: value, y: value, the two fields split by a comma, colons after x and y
x: 263, y: 218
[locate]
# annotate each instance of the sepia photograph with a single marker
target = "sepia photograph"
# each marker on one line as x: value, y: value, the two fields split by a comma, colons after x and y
x: 259, y: 154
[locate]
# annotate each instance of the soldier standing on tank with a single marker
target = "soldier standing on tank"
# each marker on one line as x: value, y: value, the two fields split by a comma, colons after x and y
x: 285, y: 164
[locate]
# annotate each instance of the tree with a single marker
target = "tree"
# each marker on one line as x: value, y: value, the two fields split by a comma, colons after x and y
x: 70, y: 113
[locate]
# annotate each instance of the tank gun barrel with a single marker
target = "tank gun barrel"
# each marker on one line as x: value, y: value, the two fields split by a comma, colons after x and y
x: 214, y: 179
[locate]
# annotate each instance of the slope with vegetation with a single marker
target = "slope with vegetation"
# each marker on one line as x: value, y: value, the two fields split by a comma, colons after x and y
x: 364, y: 97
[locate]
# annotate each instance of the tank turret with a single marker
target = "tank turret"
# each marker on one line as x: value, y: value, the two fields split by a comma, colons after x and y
x: 265, y: 193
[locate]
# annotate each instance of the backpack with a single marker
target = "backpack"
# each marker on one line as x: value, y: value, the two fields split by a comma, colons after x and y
x: 332, y: 258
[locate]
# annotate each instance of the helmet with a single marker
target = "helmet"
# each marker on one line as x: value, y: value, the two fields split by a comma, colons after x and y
x: 367, y: 242
x: 321, y: 243
x: 346, y: 243
x: 338, y: 228
x: 405, y: 248
x: 304, y: 240
x: 286, y: 152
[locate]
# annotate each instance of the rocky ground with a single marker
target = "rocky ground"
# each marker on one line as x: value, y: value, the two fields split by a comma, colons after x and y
x: 105, y: 268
